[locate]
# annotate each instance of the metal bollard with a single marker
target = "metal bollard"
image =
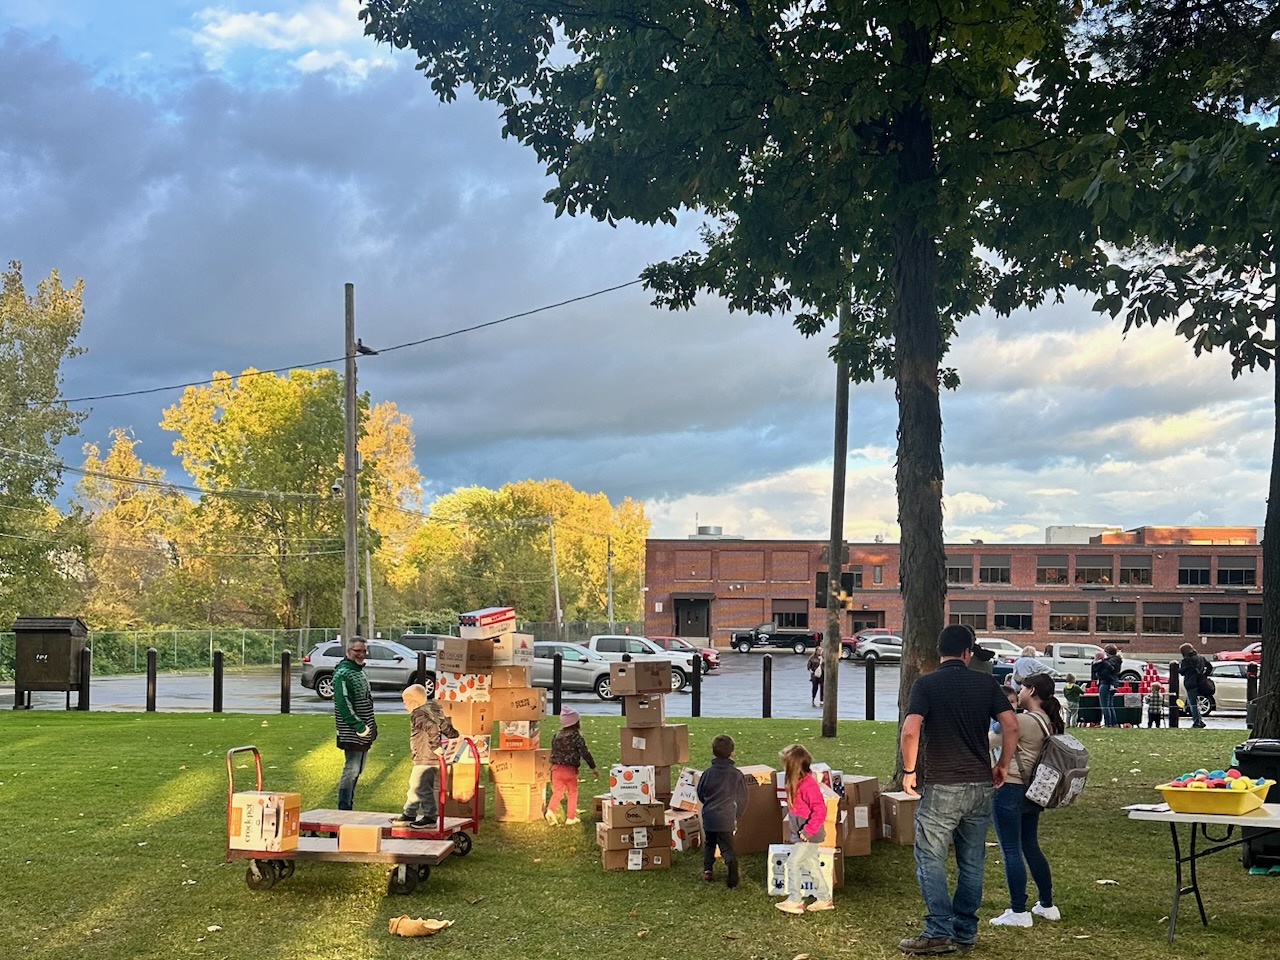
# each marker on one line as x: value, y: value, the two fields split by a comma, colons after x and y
x: 422, y: 670
x: 766, y: 707
x: 1174, y: 711
x: 871, y: 688
x: 286, y: 681
x: 217, y: 681
x: 695, y: 692
x: 86, y: 664
x: 151, y: 679
x: 557, y: 677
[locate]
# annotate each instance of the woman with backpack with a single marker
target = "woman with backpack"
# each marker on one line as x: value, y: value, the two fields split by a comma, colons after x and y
x: 1193, y: 669
x: 1017, y: 820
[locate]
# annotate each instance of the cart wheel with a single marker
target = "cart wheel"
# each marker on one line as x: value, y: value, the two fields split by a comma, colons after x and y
x: 260, y: 875
x: 402, y: 880
x: 461, y: 843
x: 424, y: 871
x: 284, y: 869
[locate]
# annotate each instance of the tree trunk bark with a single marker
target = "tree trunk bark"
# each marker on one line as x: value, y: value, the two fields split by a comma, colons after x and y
x: 918, y: 351
x: 835, y: 546
x: 1267, y: 712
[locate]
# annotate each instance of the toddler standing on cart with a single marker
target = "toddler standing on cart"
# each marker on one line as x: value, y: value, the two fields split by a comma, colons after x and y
x: 428, y: 729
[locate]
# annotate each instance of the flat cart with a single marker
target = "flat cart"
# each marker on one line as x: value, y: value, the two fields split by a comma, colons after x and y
x: 411, y: 859
x: 327, y: 822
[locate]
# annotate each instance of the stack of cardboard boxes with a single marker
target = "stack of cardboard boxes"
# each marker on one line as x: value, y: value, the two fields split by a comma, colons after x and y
x: 632, y: 833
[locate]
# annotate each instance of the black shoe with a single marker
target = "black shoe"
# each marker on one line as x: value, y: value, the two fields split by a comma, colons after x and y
x: 731, y: 881
x: 423, y: 823
x: 401, y: 821
x: 1199, y: 725
x: 706, y: 875
x: 925, y: 946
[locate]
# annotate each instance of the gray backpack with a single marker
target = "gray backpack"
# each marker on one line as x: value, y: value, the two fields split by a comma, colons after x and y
x: 1059, y: 774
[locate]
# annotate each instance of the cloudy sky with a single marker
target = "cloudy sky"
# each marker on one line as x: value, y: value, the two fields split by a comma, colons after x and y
x: 216, y: 173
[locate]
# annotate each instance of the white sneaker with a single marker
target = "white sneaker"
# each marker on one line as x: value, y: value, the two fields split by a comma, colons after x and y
x: 571, y: 821
x: 1011, y: 919
x: 1049, y: 913
x: 551, y: 818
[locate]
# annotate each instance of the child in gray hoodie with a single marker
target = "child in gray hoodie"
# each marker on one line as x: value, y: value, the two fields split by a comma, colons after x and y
x: 723, y: 792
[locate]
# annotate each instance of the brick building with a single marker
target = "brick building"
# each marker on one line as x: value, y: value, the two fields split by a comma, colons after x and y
x: 1149, y: 589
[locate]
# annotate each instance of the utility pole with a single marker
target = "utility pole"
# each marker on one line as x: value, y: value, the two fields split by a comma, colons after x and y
x: 350, y: 516
x: 555, y: 578
x: 608, y: 568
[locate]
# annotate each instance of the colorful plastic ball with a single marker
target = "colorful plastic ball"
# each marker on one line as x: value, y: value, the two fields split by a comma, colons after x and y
x: 1239, y: 784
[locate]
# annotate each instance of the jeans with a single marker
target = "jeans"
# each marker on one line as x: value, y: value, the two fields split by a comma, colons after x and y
x: 950, y: 813
x: 1017, y: 828
x: 722, y: 839
x: 421, y: 802
x: 804, y: 860
x: 1191, y: 696
x: 1106, y: 701
x: 352, y: 767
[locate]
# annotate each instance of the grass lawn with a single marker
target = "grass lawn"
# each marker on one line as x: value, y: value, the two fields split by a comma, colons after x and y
x: 115, y: 837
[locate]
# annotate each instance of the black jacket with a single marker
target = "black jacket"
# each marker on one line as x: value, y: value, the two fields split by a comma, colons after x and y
x: 723, y: 792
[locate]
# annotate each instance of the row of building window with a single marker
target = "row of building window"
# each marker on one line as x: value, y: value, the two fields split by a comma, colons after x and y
x: 1134, y: 571
x: 1111, y: 623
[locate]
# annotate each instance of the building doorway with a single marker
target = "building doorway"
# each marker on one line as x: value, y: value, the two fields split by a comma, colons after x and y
x: 865, y: 620
x: 693, y: 617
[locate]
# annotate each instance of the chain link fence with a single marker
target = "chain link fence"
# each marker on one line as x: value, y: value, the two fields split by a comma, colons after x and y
x: 118, y: 652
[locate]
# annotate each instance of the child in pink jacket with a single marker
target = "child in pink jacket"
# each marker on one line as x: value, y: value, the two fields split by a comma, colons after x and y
x: 806, y: 816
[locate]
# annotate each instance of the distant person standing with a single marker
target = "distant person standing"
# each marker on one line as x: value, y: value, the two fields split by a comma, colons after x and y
x: 953, y: 707
x: 1193, y: 668
x: 353, y: 716
x: 1072, y: 693
x: 981, y: 661
x: 814, y: 666
x: 1025, y: 666
x: 1106, y: 672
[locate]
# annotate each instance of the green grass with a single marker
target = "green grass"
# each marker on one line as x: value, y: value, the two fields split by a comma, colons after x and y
x: 115, y: 837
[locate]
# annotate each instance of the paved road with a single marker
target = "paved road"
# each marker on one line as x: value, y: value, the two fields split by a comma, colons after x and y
x: 735, y: 690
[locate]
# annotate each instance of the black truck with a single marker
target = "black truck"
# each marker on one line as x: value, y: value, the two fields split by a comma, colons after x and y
x: 771, y: 635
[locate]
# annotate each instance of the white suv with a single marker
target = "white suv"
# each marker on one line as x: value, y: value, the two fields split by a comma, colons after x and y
x: 878, y: 646
x: 612, y: 646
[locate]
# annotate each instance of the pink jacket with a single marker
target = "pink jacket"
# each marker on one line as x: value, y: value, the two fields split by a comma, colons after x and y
x: 809, y: 807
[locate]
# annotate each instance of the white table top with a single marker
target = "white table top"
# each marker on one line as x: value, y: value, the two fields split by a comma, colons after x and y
x: 1266, y: 816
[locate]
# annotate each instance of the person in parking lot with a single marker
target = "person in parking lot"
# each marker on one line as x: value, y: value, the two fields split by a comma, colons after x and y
x: 945, y: 734
x: 353, y: 716
x: 1106, y: 673
x: 1193, y: 668
x: 814, y: 666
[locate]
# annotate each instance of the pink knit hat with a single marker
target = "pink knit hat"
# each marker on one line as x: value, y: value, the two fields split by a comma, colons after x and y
x: 568, y: 717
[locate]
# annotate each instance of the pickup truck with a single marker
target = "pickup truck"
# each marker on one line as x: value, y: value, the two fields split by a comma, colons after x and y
x: 1074, y: 658
x: 771, y: 635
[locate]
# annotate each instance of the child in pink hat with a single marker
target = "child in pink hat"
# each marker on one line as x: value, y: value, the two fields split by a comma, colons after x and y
x: 568, y: 750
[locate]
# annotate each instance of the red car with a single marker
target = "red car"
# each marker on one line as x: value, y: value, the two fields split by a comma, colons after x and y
x: 1250, y: 654
x: 710, y: 655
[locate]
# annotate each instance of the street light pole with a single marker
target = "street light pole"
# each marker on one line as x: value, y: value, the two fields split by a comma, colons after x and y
x: 350, y: 554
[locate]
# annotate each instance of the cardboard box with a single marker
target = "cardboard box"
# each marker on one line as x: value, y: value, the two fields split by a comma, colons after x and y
x: 662, y: 783
x: 469, y: 717
x: 464, y: 687
x: 898, y: 817
x: 465, y: 808
x: 513, y: 648
x: 462, y: 780
x: 511, y: 675
x: 660, y: 746
x: 631, y: 783
x: 624, y: 838
x: 637, y: 858
x: 684, y: 792
x: 628, y: 678
x: 615, y: 815
x: 761, y: 824
x: 359, y: 838
x: 645, y: 710
x: 487, y: 623
x: 519, y: 734
x: 519, y: 802
x: 686, y: 830
x: 264, y: 820
x: 518, y: 703
x: 459, y: 749
x: 597, y: 805
x: 460, y: 655
x: 520, y: 766
x: 860, y: 832
x: 830, y: 865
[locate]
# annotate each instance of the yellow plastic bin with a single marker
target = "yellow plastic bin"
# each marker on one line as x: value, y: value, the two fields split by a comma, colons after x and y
x: 1228, y: 803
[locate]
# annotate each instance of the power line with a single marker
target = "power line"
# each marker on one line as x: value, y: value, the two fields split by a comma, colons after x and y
x: 28, y: 404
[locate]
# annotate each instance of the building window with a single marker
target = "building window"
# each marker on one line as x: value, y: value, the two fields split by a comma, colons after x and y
x: 1237, y: 572
x: 1117, y: 623
x: 976, y: 620
x: 791, y: 614
x: 1069, y: 616
x: 1094, y: 569
x: 877, y: 574
x: 1013, y: 615
x: 960, y: 569
x: 1051, y: 569
x: 1193, y: 571
x: 1253, y: 620
x: 1162, y: 618
x: 993, y: 570
x: 970, y: 613
x: 1220, y: 618
x: 1135, y: 571
x: 856, y: 573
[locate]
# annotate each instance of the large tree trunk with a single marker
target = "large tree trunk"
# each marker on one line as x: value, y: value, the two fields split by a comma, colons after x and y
x: 918, y: 351
x: 1267, y: 717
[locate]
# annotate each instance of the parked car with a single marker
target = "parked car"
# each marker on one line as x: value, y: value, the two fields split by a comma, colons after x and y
x: 580, y: 668
x: 1001, y: 647
x: 878, y: 646
x: 426, y: 642
x: 1230, y: 680
x: 613, y: 646
x: 710, y: 655
x: 1250, y: 654
x: 390, y: 666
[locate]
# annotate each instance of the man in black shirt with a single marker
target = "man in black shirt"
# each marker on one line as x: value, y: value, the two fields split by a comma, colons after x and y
x: 954, y: 706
